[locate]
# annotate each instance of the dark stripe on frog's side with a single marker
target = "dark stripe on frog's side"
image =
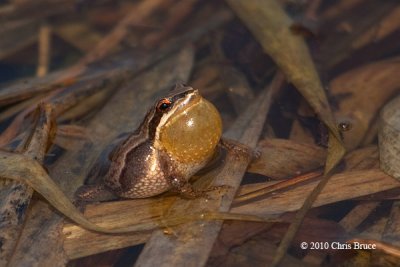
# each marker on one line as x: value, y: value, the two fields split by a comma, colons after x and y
x: 118, y: 157
x: 138, y: 179
x: 153, y: 124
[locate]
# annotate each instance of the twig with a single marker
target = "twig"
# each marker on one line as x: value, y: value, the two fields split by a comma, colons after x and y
x: 357, y: 215
x: 13, y: 129
x: 311, y: 12
x: 340, y: 8
x: 44, y: 50
x: 177, y: 14
x: 243, y: 199
x: 136, y: 15
x: 391, y: 232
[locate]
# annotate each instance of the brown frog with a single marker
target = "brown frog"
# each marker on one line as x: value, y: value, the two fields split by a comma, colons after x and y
x: 177, y: 138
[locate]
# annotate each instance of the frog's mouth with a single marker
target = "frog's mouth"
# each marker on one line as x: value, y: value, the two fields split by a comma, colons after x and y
x: 191, y: 98
x: 182, y: 106
x: 191, y: 132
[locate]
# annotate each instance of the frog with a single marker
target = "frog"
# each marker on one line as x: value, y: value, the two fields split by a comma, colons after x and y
x: 179, y: 136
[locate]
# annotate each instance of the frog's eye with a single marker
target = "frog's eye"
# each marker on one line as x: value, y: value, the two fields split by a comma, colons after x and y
x: 164, y: 104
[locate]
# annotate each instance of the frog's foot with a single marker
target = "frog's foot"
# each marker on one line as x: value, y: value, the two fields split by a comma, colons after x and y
x: 186, y: 190
x: 256, y: 153
x: 240, y: 149
x: 94, y: 193
x: 218, y: 190
x: 193, y: 193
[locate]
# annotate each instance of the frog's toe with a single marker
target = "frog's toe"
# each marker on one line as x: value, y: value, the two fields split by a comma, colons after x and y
x: 256, y: 153
x: 94, y: 193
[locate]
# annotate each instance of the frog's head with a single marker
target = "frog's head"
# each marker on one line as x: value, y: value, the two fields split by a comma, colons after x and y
x: 186, y: 125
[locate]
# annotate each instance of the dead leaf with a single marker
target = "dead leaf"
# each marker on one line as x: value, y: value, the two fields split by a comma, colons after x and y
x: 281, y: 158
x: 361, y: 93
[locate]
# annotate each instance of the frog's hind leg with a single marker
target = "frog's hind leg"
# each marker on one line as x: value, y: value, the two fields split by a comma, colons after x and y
x: 94, y: 193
